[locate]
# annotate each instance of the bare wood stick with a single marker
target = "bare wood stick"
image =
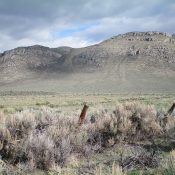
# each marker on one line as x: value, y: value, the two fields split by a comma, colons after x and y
x: 171, y: 109
x: 83, y: 115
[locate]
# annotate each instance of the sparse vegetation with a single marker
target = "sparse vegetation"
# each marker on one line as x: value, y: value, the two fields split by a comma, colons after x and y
x: 49, y: 140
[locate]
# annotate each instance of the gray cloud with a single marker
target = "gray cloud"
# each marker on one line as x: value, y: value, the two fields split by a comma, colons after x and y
x: 27, y: 22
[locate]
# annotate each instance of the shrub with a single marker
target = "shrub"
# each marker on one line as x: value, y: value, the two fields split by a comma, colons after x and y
x: 129, y: 122
x: 45, y: 139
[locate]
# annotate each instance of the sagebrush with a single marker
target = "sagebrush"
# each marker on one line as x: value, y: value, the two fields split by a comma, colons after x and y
x: 44, y: 139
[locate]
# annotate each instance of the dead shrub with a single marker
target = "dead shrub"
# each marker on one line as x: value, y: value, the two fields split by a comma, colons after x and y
x: 141, y: 159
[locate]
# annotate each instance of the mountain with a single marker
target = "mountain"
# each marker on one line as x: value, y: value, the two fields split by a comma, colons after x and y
x: 128, y: 59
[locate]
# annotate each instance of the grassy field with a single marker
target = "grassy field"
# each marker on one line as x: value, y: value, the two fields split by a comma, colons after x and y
x: 22, y: 112
x: 22, y: 100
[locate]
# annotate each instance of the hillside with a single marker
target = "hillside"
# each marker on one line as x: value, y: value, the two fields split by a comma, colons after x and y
x: 132, y: 61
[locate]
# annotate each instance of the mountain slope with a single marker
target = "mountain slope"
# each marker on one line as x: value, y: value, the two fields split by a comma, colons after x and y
x: 145, y: 56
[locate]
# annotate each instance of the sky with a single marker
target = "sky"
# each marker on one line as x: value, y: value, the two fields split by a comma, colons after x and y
x: 79, y: 23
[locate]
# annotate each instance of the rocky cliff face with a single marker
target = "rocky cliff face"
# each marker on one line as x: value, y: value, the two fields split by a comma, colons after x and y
x: 134, y: 51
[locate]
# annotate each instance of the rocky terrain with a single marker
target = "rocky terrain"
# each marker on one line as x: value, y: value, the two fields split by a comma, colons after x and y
x: 120, y: 57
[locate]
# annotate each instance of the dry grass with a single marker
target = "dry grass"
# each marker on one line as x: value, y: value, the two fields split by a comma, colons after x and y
x: 115, y: 170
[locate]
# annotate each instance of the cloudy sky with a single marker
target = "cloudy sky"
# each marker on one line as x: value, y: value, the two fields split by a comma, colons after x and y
x: 79, y: 23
